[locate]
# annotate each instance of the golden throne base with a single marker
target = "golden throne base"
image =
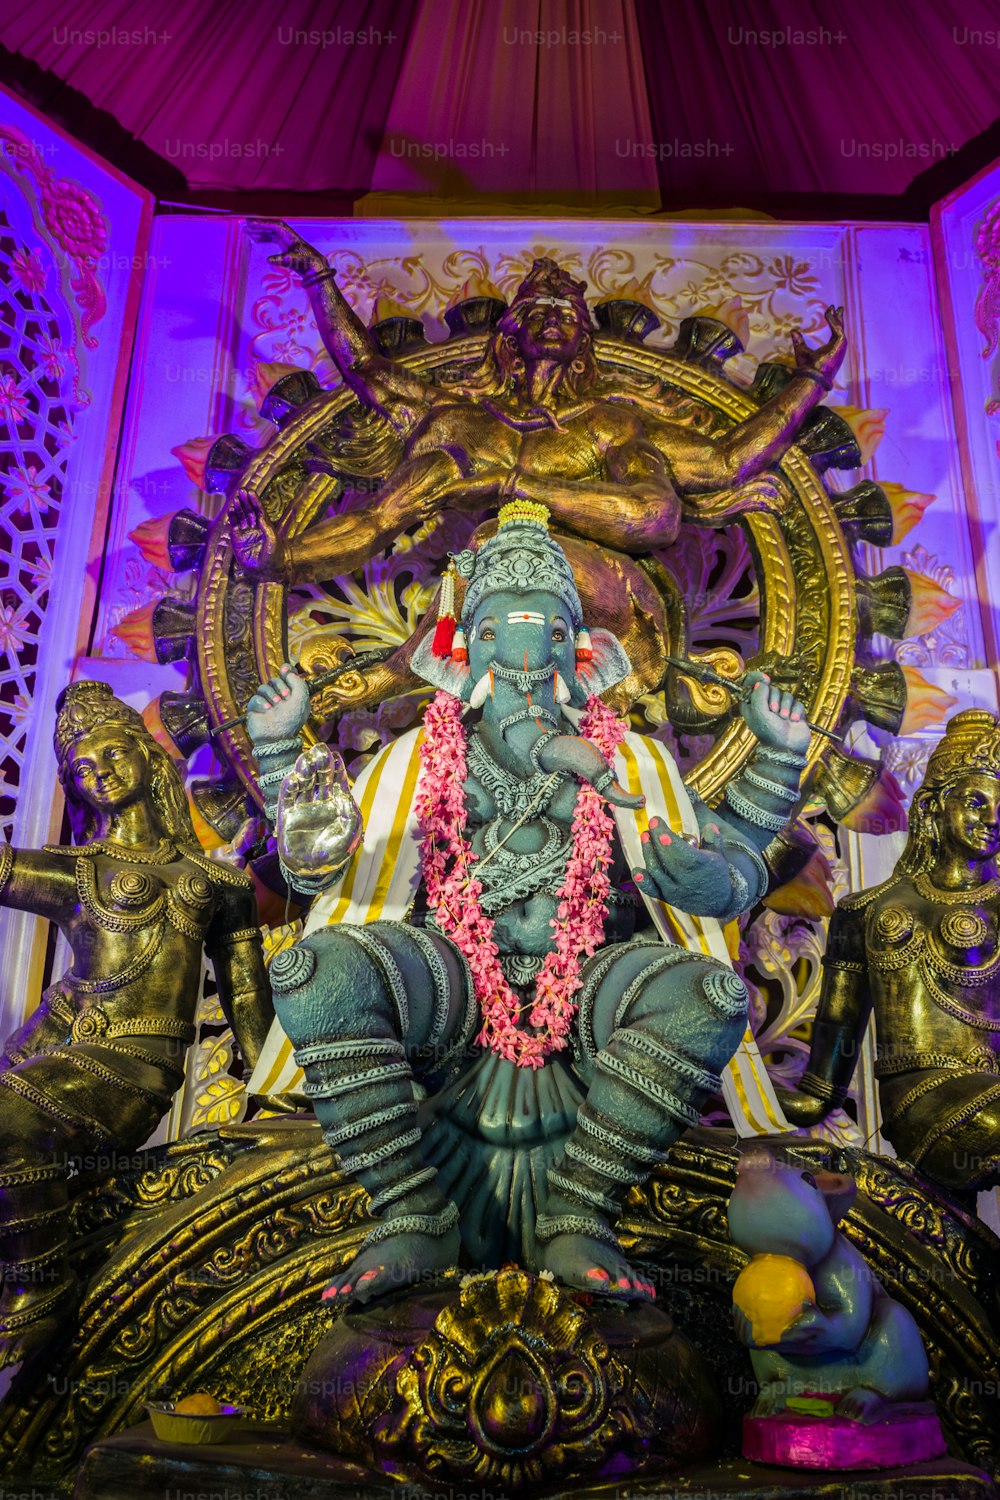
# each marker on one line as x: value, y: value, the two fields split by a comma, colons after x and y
x: 203, y: 1269
x: 136, y: 1467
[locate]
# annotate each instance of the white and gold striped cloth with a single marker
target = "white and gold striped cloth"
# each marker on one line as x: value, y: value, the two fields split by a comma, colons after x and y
x: 383, y: 878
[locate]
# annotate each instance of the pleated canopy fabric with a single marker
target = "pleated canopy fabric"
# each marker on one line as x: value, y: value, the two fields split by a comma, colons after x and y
x: 644, y: 103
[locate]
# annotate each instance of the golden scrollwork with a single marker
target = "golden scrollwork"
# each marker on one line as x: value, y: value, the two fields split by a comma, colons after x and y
x: 205, y: 1261
x: 507, y: 1380
x: 511, y: 1386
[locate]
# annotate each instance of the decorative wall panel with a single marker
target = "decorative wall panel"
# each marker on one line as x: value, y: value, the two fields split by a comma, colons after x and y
x: 72, y: 241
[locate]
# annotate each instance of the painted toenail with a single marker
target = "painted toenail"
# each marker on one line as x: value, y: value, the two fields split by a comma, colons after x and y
x: 644, y: 838
x: 665, y: 838
x: 597, y: 1274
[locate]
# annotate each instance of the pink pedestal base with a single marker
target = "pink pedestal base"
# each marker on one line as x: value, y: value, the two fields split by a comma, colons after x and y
x: 905, y: 1435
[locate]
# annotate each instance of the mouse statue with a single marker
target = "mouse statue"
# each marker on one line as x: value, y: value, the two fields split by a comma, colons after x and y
x: 841, y: 1368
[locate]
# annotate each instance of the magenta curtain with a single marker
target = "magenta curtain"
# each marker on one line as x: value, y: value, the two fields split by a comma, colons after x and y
x: 520, y: 98
x: 230, y: 98
x: 691, y: 102
x: 863, y: 113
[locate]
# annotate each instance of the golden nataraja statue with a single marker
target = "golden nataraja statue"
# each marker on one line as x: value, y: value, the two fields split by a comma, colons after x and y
x: 535, y: 420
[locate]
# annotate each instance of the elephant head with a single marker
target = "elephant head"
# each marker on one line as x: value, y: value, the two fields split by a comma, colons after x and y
x: 527, y: 657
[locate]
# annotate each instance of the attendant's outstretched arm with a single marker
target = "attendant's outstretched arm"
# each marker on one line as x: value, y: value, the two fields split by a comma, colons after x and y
x: 845, y: 1004
x: 45, y: 884
x: 234, y: 946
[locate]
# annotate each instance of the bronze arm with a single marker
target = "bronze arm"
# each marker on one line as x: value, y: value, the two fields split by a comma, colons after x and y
x: 379, y: 383
x: 237, y: 958
x: 342, y: 543
x: 758, y: 442
x: 634, y: 510
x: 845, y: 1004
x: 36, y: 881
x: 701, y: 464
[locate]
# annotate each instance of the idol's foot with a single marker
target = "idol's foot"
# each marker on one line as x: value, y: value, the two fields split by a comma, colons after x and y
x: 586, y: 1255
x: 861, y: 1405
x: 393, y: 1261
x: 771, y: 1400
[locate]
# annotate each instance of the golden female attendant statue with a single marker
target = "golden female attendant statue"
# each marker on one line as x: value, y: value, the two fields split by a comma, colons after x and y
x: 96, y: 1065
x: 923, y: 949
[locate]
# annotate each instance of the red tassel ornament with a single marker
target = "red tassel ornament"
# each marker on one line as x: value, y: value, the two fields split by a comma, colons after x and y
x: 444, y: 630
x: 444, y: 635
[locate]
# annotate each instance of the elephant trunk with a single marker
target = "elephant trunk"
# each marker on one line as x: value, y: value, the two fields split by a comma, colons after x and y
x: 573, y: 756
x: 523, y: 705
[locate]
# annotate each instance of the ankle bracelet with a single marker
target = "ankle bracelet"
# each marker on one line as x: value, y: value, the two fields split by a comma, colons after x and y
x: 547, y: 1226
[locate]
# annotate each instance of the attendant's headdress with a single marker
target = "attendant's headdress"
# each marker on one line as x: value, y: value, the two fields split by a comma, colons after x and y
x: 85, y: 706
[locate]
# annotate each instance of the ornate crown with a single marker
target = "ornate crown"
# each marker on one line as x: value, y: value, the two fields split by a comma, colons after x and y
x: 971, y: 743
x: 520, y: 557
x: 548, y: 279
x: 84, y: 706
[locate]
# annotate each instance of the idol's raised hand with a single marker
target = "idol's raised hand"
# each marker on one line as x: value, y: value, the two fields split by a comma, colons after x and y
x: 777, y: 718
x: 279, y: 708
x: 254, y: 539
x: 828, y: 358
x: 293, y: 252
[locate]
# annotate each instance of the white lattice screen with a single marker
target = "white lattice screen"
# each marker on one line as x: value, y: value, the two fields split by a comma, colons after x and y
x: 72, y: 244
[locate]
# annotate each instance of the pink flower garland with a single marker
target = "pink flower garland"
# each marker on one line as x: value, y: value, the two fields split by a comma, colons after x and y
x: 453, y: 891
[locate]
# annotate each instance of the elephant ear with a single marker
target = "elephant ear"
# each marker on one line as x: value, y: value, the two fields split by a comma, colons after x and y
x: 608, y: 666
x: 441, y: 671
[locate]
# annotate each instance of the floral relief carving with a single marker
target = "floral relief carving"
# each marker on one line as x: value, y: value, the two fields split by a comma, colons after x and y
x: 72, y: 221
x: 36, y: 430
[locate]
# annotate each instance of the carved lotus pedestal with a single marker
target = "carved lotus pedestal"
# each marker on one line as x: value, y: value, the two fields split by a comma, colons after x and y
x: 506, y: 1382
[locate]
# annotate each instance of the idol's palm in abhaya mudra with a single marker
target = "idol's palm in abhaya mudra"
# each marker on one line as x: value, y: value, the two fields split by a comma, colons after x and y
x: 499, y: 938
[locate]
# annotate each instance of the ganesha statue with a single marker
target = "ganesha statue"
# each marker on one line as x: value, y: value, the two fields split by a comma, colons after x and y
x: 513, y: 991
